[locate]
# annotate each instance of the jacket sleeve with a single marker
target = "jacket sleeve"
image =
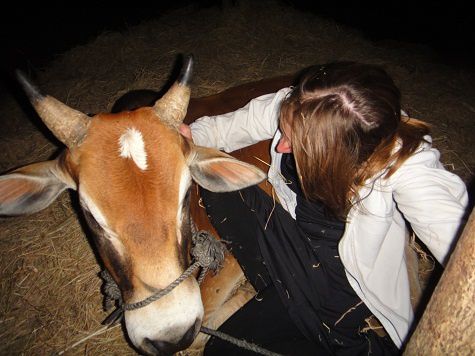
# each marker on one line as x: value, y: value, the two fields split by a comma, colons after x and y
x: 433, y: 200
x: 256, y: 121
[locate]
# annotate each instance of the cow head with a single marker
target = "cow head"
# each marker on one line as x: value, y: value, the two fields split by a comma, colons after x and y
x: 132, y: 171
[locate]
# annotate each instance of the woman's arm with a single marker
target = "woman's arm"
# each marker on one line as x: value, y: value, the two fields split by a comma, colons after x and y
x: 433, y: 200
x: 256, y: 121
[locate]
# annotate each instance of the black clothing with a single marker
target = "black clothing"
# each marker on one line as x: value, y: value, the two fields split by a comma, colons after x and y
x: 298, y: 260
x: 264, y: 321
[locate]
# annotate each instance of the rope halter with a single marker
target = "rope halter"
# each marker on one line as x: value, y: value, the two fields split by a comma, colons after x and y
x: 207, y: 253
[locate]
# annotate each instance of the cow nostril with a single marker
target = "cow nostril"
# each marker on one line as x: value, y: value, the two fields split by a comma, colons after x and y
x: 191, y: 333
x: 158, y: 347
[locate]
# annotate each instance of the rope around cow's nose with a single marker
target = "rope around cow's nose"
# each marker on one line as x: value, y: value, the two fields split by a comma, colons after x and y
x: 208, y: 253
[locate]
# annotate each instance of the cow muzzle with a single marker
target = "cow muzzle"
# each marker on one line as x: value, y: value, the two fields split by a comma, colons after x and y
x: 168, y: 320
x: 169, y: 324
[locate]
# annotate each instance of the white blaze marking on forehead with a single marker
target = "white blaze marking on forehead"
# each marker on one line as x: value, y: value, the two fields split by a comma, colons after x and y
x: 183, y: 188
x: 131, y: 145
x: 88, y: 204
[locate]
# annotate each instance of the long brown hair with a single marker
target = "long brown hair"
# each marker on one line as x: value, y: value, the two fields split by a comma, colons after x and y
x: 346, y: 127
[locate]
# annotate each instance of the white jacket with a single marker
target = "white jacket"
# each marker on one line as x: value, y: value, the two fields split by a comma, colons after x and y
x: 430, y: 198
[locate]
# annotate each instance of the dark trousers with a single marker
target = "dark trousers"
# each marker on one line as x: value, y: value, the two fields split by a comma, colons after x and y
x: 241, y: 218
x: 264, y: 319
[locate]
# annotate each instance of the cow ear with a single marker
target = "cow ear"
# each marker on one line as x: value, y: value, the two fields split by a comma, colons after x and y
x: 219, y: 172
x: 31, y: 188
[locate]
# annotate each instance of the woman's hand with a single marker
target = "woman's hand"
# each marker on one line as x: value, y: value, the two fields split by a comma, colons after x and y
x: 185, y: 130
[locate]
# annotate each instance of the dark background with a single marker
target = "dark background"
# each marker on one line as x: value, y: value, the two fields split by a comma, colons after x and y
x: 32, y: 37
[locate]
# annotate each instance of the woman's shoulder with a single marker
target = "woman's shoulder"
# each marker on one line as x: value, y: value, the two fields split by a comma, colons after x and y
x: 424, y: 168
x: 423, y: 160
x: 426, y: 155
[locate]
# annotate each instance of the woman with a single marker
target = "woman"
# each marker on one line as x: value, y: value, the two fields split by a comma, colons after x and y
x: 350, y: 173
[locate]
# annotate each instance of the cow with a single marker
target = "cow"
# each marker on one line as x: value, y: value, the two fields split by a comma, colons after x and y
x: 225, y: 292
x: 133, y: 173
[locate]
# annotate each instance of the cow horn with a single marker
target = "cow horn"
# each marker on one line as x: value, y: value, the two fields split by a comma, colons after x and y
x: 67, y: 124
x: 171, y: 108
